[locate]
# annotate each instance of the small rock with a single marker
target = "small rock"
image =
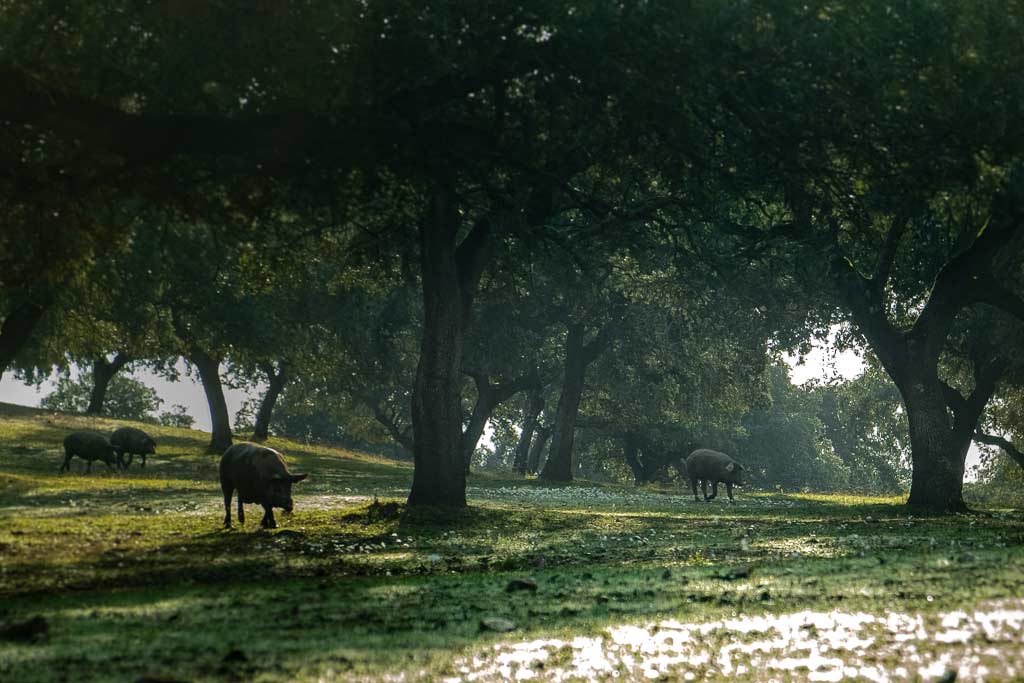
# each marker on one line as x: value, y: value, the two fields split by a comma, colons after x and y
x: 289, y: 533
x: 602, y: 599
x: 948, y: 677
x: 33, y: 630
x: 235, y: 656
x: 521, y: 585
x: 497, y: 624
x: 666, y: 575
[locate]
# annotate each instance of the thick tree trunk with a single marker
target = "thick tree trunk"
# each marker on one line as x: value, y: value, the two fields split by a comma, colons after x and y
x: 102, y: 372
x: 277, y: 378
x: 559, y: 464
x: 451, y: 272
x: 537, y: 449
x: 439, y: 475
x: 531, y: 413
x: 209, y: 373
x: 17, y: 329
x: 938, y: 452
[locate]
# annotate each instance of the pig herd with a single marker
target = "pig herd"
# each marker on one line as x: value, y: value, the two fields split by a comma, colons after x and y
x: 90, y: 446
x: 259, y: 474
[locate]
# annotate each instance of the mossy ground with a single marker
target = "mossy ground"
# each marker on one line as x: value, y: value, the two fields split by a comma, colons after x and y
x: 136, y: 578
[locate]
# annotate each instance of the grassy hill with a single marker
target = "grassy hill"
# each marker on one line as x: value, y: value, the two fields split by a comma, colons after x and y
x: 135, y: 580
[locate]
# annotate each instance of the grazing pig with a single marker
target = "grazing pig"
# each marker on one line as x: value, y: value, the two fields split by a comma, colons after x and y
x: 708, y: 465
x: 131, y: 440
x: 88, y: 446
x: 260, y: 476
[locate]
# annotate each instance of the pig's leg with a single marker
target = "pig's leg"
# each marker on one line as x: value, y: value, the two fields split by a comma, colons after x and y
x: 704, y: 489
x: 241, y: 512
x: 714, y: 489
x: 228, y: 489
x: 268, y: 518
x: 728, y: 489
x: 693, y: 485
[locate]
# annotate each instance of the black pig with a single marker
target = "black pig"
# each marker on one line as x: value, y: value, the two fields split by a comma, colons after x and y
x: 88, y: 446
x: 261, y: 476
x: 707, y: 465
x: 129, y: 440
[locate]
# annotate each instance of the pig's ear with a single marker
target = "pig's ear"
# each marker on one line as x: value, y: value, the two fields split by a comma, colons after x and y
x: 730, y: 467
x: 296, y: 478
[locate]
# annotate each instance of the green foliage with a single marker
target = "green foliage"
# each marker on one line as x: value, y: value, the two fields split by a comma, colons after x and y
x: 866, y: 426
x: 177, y: 416
x: 127, y: 398
x: 690, y: 176
x: 784, y: 445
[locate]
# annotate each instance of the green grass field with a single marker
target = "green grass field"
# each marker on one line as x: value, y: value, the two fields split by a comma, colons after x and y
x: 137, y: 581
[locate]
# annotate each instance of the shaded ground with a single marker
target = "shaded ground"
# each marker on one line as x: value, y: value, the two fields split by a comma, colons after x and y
x: 134, y: 577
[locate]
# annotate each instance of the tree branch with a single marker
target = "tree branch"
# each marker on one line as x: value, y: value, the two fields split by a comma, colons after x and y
x: 990, y: 292
x: 1000, y: 442
x: 887, y: 255
x: 954, y: 399
x: 958, y: 282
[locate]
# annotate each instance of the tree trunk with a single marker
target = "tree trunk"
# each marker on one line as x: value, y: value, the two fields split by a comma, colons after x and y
x: 486, y: 402
x: 102, y: 373
x: 17, y: 329
x: 277, y: 379
x: 451, y: 272
x: 937, y: 481
x: 559, y: 464
x: 209, y: 373
x: 488, y: 397
x: 631, y: 452
x: 531, y: 413
x: 537, y: 449
x: 439, y: 474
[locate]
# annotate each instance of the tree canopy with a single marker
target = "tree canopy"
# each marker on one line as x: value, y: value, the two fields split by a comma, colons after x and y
x: 621, y: 211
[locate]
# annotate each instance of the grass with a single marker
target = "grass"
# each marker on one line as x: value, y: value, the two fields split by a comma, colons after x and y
x: 136, y: 578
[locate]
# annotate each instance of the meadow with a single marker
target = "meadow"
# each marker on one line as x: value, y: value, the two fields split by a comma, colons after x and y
x: 128, y: 576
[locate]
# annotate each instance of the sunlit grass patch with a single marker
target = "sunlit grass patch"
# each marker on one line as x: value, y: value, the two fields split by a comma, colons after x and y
x: 823, y: 646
